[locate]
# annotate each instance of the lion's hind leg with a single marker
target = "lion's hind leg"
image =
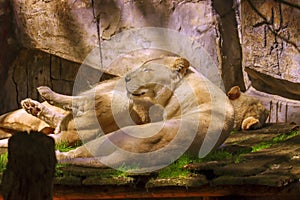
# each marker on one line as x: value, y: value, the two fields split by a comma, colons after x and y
x: 35, y: 108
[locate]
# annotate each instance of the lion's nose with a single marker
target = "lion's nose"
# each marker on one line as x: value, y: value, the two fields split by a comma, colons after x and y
x: 127, y: 78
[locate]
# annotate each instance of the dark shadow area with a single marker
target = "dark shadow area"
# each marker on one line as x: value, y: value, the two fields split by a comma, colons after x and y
x: 8, y: 45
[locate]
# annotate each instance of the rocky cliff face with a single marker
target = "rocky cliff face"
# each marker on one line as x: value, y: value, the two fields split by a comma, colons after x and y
x: 71, y: 29
x: 270, y: 33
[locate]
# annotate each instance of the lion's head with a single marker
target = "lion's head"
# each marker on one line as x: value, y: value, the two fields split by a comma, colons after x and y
x: 152, y: 85
x: 155, y: 81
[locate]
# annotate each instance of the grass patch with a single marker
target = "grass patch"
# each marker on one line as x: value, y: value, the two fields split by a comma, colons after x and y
x: 285, y: 136
x: 216, y: 155
x: 176, y: 169
x: 3, y: 162
x: 124, y: 170
x: 261, y: 146
x: 120, y: 173
x: 58, y: 171
x: 64, y: 146
x: 275, y: 140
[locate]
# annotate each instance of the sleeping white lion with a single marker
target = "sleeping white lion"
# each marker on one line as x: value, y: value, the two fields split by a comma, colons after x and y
x: 152, y: 115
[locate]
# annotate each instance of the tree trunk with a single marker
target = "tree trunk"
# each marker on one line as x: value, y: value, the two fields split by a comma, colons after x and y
x: 231, y: 50
x: 30, y: 169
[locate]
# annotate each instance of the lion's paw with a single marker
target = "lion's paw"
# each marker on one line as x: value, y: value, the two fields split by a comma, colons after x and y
x: 249, y: 123
x: 32, y: 107
x: 46, y: 93
x: 62, y: 156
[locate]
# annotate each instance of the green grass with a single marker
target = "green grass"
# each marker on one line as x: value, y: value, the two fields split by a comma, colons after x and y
x: 120, y: 173
x: 124, y: 170
x: 275, y: 140
x: 261, y: 146
x: 217, y: 155
x: 3, y: 162
x: 176, y: 169
x: 58, y: 171
x: 285, y: 136
x: 64, y: 146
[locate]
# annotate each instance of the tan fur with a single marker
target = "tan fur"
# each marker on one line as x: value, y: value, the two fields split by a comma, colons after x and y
x: 250, y: 113
x: 165, y: 98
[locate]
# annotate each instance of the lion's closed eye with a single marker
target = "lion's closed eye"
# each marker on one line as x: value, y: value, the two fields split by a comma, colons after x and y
x: 147, y: 70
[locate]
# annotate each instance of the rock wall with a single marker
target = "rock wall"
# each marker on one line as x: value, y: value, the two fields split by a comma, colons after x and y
x: 31, y: 69
x: 71, y: 29
x: 270, y: 33
x: 271, y: 55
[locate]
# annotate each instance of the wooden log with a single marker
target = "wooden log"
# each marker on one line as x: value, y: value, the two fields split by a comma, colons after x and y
x: 30, y: 168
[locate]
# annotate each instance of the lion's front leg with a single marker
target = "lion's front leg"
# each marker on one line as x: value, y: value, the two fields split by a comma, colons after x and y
x: 79, y: 152
x: 35, y: 108
x: 53, y: 98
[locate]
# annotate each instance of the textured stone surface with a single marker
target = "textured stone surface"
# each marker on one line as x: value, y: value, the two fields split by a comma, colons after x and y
x: 68, y: 180
x: 196, y: 181
x: 34, y: 68
x: 263, y: 180
x: 243, y: 169
x: 69, y: 28
x: 271, y: 85
x: 57, y: 27
x: 271, y: 54
x: 271, y: 38
x: 117, y: 181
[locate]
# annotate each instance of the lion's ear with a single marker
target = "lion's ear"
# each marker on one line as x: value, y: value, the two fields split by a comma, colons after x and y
x: 181, y: 65
x: 234, y: 93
